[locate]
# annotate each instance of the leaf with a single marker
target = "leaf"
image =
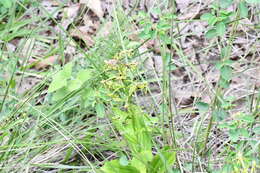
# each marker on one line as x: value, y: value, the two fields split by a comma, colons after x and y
x: 211, y: 33
x: 115, y: 167
x: 60, y: 94
x: 206, y: 16
x: 67, y: 70
x: 256, y: 130
x: 243, y: 132
x: 83, y: 33
x: 243, y: 10
x: 226, y: 72
x: 123, y: 160
x: 224, y: 83
x: 84, y: 75
x: 7, y: 3
x: 219, y: 115
x: 252, y: 1
x: 100, y: 109
x: 225, y: 3
x: 221, y: 29
x: 212, y: 20
x: 45, y: 62
x: 60, y: 79
x: 203, y: 107
x: 225, y: 52
x: 140, y: 160
x: 162, y: 162
x: 234, y: 135
x: 248, y: 118
x: 95, y: 6
x: 74, y: 85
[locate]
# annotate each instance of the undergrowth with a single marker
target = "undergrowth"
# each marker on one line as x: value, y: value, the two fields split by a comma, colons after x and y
x: 85, y: 116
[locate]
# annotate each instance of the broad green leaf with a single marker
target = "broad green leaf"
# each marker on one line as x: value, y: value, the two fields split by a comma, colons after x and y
x: 219, y: 115
x: 234, y: 135
x: 162, y: 162
x: 84, y: 75
x: 211, y: 33
x: 221, y: 29
x: 226, y: 72
x: 252, y: 1
x: 248, y: 118
x: 206, y: 16
x: 243, y: 9
x: 123, y: 160
x: 203, y: 107
x: 225, y: 125
x: 225, y: 52
x: 67, y: 70
x: 243, y: 132
x: 115, y: 167
x: 141, y: 159
x: 58, y: 81
x: 225, y: 3
x: 212, y: 21
x: 59, y: 94
x: 224, y: 83
x: 6, y: 3
x: 256, y: 130
x: 74, y: 84
x: 100, y: 109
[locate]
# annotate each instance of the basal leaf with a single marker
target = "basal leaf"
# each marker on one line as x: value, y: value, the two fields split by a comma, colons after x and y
x: 123, y: 160
x: 253, y: 1
x: 243, y: 9
x: 226, y: 72
x: 162, y: 162
x: 6, y: 3
x: 58, y: 81
x: 100, y: 109
x: 203, y: 107
x: 221, y: 29
x: 84, y: 75
x: 74, y: 85
x: 115, y: 167
x: 225, y: 3
x: 206, y: 16
x: 67, y: 70
x: 211, y: 33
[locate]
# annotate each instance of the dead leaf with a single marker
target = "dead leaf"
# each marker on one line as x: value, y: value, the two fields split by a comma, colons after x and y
x: 105, y: 29
x: 70, y: 13
x: 82, y: 33
x: 90, y: 25
x: 46, y: 62
x: 50, y: 6
x: 95, y: 6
